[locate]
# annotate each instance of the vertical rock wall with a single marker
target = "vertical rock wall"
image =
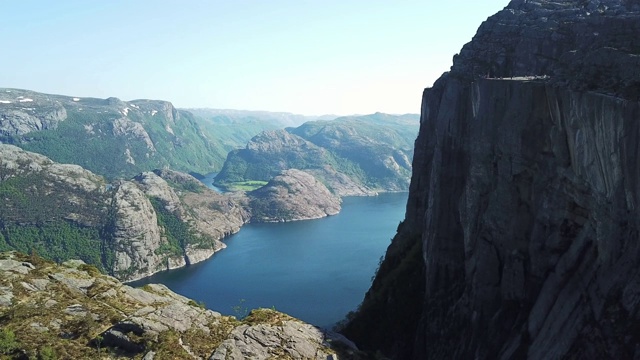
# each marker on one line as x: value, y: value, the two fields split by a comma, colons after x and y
x: 524, y: 197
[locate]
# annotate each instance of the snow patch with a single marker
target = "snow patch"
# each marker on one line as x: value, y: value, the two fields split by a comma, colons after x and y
x: 134, y: 105
x: 76, y: 99
x: 125, y: 111
x: 153, y: 112
x: 5, y: 102
x: 169, y: 130
x: 25, y: 100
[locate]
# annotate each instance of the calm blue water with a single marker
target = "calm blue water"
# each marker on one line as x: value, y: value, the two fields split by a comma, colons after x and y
x: 315, y: 270
x: 208, y: 181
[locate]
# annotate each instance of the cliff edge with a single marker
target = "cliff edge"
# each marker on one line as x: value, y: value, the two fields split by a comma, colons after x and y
x: 520, y: 239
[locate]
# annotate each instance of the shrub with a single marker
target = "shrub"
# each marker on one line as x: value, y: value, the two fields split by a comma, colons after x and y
x: 8, y: 343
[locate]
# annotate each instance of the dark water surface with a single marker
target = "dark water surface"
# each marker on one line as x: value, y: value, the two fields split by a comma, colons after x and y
x: 315, y: 270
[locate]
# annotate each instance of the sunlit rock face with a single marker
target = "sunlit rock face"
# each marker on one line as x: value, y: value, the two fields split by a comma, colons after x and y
x: 524, y: 196
x: 292, y: 195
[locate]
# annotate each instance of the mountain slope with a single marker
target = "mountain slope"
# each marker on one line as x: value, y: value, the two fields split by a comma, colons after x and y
x: 292, y: 195
x: 70, y: 311
x: 352, y: 156
x: 131, y: 229
x: 110, y: 137
x: 379, y: 144
x: 520, y: 239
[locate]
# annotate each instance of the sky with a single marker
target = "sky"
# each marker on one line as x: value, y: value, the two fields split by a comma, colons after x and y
x: 307, y: 57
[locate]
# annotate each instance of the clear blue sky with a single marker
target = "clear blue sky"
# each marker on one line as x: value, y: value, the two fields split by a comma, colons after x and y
x: 308, y: 57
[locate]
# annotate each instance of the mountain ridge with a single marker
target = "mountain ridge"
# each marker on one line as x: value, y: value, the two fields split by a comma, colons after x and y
x: 351, y: 155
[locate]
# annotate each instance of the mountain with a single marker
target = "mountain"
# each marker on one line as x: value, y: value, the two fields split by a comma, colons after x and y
x: 351, y: 155
x: 520, y: 238
x: 71, y: 311
x: 277, y: 119
x: 381, y: 145
x: 110, y: 137
x: 292, y: 195
x: 128, y: 228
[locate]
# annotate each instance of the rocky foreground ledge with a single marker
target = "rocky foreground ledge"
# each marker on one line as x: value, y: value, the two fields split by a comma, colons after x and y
x: 71, y: 311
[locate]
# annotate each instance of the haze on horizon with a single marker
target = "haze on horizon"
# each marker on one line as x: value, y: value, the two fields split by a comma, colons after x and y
x: 306, y: 57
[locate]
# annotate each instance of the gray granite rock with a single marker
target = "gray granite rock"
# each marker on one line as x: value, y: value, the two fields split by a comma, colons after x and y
x: 524, y: 198
x: 291, y: 339
x: 292, y: 195
x: 14, y: 266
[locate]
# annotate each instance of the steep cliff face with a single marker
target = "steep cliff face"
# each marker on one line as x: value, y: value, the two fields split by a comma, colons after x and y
x: 165, y: 220
x: 524, y: 196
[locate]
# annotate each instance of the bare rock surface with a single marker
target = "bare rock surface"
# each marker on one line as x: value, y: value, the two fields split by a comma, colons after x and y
x: 81, y: 313
x: 292, y: 195
x: 23, y: 112
x: 339, y: 183
x: 263, y: 341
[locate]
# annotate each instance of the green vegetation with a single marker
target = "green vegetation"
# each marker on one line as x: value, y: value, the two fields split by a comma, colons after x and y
x: 89, y: 269
x: 198, y: 304
x: 364, y: 143
x: 266, y: 316
x: 28, y: 224
x: 58, y: 241
x: 88, y: 138
x: 47, y: 353
x: 8, y: 343
x: 400, y: 278
x: 268, y: 154
x: 244, y: 185
x: 177, y: 232
x: 26, y: 199
x: 373, y: 150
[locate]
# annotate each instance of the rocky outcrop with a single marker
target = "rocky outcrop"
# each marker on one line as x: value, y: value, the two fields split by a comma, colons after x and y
x: 522, y: 219
x: 146, y: 239
x: 130, y: 229
x: 339, y: 183
x: 292, y: 195
x: 73, y: 312
x: 136, y: 234
x: 23, y: 112
x: 278, y: 337
x: 123, y: 127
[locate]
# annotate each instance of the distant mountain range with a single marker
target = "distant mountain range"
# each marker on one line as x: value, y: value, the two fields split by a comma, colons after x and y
x: 96, y: 179
x: 117, y: 138
x: 279, y: 119
x: 356, y: 155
